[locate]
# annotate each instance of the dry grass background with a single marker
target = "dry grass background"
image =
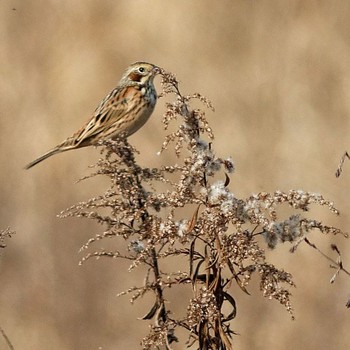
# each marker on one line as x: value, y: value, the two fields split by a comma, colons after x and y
x: 278, y: 74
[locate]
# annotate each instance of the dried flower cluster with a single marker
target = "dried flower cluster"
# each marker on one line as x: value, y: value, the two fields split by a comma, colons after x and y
x: 219, y: 239
x: 5, y: 234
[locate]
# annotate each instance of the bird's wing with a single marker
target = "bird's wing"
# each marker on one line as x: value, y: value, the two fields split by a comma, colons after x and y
x: 111, y: 109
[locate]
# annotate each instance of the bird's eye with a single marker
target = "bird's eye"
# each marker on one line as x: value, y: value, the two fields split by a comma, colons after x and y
x: 141, y: 69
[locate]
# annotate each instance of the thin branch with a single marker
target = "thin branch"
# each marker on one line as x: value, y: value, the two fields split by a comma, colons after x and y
x: 338, y: 264
x: 6, y: 339
x: 341, y: 163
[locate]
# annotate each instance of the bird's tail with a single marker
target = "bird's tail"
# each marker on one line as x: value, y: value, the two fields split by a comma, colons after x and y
x: 44, y: 156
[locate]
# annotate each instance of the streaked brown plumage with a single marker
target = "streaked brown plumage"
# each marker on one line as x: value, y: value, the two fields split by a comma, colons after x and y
x: 124, y: 110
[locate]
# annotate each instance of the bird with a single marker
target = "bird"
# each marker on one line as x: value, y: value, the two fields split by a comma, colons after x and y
x: 122, y: 112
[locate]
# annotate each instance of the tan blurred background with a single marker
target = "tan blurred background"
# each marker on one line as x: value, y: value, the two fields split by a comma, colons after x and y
x: 278, y: 73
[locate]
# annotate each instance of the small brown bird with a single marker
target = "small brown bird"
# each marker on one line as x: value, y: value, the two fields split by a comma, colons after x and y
x: 124, y: 110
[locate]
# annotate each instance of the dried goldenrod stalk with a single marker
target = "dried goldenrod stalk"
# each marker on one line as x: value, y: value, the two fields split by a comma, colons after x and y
x: 221, y: 240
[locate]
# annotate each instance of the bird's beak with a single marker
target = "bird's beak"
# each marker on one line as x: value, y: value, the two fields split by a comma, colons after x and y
x: 156, y: 70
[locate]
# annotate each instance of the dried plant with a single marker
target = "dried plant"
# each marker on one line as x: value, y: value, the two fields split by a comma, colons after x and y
x: 219, y: 244
x: 5, y: 234
x: 7, y: 340
x: 341, y: 163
